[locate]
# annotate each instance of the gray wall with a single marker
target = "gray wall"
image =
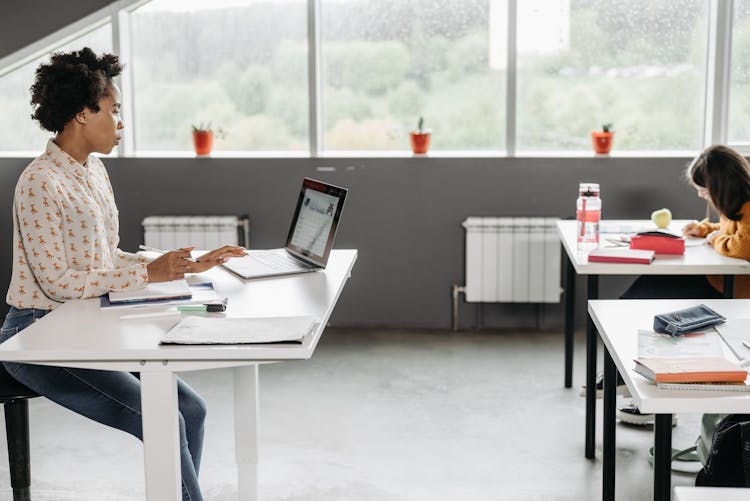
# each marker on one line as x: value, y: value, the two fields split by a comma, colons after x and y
x: 403, y: 215
x: 24, y: 22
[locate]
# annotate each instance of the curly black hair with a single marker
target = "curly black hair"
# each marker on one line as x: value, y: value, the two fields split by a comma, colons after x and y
x: 70, y: 82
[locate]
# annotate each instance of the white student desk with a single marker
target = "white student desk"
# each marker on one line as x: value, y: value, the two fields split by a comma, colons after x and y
x: 710, y: 494
x: 80, y: 334
x: 697, y: 260
x: 617, y: 322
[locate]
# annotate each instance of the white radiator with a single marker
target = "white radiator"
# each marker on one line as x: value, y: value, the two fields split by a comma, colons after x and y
x: 512, y: 260
x: 203, y: 232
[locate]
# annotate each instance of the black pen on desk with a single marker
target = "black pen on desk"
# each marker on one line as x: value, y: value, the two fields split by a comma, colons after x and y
x: 160, y: 251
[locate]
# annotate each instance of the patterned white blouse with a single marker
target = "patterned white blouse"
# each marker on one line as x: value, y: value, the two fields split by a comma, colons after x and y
x: 65, y: 234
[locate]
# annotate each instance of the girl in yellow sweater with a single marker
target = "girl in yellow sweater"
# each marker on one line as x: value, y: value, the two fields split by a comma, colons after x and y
x: 722, y: 177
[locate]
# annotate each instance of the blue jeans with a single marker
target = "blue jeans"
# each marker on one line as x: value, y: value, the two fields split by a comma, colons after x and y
x: 111, y: 398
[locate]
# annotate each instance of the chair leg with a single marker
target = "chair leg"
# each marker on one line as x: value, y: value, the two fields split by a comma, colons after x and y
x: 19, y: 458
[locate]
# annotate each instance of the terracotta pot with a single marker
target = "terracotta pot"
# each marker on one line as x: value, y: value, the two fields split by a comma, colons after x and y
x: 203, y: 141
x: 602, y: 141
x: 420, y: 142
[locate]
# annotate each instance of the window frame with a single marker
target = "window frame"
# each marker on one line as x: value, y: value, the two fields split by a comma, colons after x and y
x: 715, y: 117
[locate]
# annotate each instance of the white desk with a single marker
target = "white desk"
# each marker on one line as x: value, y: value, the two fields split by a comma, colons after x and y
x: 80, y: 334
x: 711, y: 494
x: 617, y: 322
x: 697, y: 260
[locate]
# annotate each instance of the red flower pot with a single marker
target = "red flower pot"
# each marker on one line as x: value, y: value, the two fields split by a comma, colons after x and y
x: 203, y: 141
x: 420, y: 142
x: 602, y: 141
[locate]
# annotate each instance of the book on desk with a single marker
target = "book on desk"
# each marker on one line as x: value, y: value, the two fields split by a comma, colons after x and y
x: 621, y: 255
x: 690, y: 370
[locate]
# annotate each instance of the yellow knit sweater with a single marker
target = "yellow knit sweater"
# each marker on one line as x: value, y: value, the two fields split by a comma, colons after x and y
x: 733, y: 241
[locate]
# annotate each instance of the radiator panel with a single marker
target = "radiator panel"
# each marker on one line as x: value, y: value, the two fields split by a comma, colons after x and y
x: 512, y: 260
x: 203, y: 232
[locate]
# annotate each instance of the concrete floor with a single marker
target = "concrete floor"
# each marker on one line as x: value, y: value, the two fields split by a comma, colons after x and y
x: 376, y: 415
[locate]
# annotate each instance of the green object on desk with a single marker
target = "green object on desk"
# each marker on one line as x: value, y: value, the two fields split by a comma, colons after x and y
x: 193, y: 307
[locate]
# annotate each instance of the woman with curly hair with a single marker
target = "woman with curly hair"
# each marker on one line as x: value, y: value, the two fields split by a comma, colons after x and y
x: 65, y: 225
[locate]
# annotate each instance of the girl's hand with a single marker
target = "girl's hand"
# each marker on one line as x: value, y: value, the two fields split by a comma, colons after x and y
x: 216, y: 257
x: 170, y: 265
x: 692, y: 229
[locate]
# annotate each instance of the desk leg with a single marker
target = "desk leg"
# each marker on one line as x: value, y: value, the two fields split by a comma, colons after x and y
x: 570, y: 302
x: 728, y: 286
x: 161, y: 436
x: 591, y: 347
x: 246, y: 430
x: 609, y: 439
x: 662, y: 457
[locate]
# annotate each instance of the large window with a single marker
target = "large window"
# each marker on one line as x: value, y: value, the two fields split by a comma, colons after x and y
x: 243, y: 66
x: 18, y: 132
x: 240, y: 65
x: 385, y: 64
x: 637, y: 63
x: 739, y: 93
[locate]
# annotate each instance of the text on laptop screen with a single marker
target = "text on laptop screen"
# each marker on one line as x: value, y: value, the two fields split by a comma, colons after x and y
x: 314, y: 222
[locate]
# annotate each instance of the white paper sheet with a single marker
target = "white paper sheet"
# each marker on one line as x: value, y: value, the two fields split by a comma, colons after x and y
x: 654, y: 345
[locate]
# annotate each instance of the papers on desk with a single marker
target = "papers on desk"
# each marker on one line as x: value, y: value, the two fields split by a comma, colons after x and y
x: 218, y: 330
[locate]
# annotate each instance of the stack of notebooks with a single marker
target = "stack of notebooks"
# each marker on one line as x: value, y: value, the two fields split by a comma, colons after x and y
x: 693, y: 373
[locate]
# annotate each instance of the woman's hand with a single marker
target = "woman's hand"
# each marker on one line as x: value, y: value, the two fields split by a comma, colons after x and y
x: 216, y: 257
x: 170, y: 265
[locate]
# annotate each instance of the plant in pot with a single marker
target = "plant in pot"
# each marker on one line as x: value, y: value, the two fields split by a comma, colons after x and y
x: 203, y: 138
x: 420, y: 138
x: 602, y: 140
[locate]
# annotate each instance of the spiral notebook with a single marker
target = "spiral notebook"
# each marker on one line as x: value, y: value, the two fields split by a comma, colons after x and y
x: 704, y: 386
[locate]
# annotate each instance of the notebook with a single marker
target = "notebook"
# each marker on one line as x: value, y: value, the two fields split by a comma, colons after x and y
x: 704, y: 386
x: 154, y: 291
x: 310, y: 238
x: 621, y: 255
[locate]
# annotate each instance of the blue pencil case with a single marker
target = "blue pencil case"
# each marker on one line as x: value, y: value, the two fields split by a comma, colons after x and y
x: 695, y: 318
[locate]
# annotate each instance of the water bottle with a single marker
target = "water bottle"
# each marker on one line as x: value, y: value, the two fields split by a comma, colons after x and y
x: 588, y: 214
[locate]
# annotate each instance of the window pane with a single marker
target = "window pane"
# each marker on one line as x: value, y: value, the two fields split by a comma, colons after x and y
x: 18, y: 132
x: 241, y: 66
x: 385, y: 64
x: 739, y: 92
x: 637, y: 63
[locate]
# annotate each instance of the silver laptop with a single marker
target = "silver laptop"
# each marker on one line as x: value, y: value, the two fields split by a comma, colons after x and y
x: 310, y: 238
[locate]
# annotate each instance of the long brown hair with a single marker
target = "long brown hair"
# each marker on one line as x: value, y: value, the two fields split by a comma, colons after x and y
x: 726, y: 175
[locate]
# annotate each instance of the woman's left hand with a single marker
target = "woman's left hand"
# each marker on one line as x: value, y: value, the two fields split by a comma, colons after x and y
x: 216, y: 257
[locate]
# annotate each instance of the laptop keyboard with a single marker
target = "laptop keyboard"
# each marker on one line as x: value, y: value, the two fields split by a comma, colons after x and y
x: 280, y: 261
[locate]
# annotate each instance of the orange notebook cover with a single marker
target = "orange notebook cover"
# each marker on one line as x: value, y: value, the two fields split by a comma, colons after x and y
x: 621, y: 255
x: 690, y: 370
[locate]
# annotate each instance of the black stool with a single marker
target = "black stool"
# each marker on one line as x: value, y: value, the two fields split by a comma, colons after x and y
x: 14, y: 397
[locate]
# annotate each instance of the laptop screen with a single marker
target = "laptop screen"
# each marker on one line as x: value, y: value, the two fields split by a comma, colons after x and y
x: 315, y: 221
